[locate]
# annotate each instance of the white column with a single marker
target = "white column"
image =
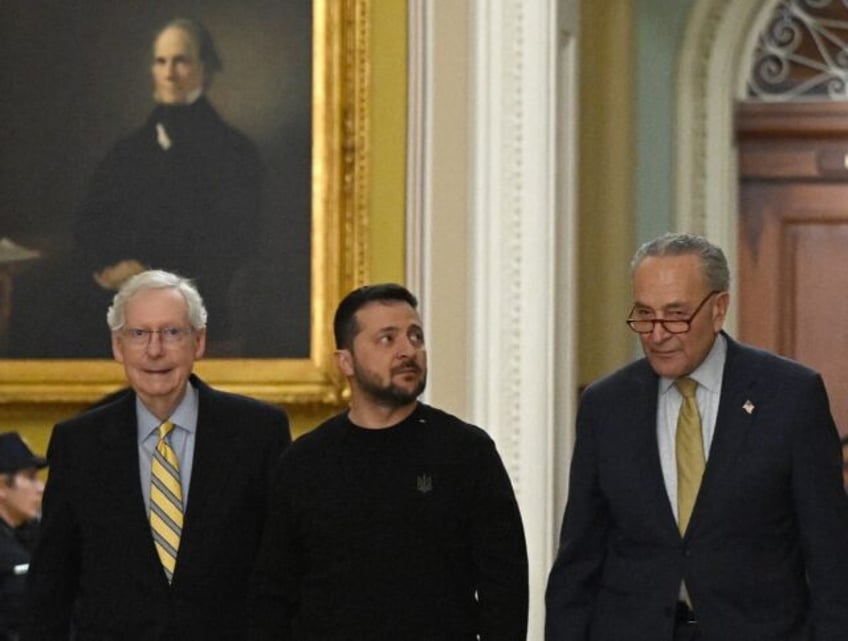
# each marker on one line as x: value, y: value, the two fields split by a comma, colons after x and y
x: 492, y: 242
x: 522, y: 219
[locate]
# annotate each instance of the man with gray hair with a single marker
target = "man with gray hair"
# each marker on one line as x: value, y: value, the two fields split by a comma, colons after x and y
x: 155, y: 503
x: 705, y: 497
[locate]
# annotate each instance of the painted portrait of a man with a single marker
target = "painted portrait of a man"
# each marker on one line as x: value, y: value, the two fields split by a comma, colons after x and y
x: 198, y: 164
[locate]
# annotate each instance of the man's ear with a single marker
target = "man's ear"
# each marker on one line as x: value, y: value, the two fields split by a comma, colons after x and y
x: 344, y: 361
x: 199, y: 343
x: 117, y: 348
x: 722, y: 302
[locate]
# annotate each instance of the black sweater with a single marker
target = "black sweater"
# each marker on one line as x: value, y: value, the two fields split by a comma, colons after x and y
x: 410, y: 532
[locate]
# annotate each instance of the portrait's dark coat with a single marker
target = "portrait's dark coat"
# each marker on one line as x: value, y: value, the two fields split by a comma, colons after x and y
x: 192, y: 208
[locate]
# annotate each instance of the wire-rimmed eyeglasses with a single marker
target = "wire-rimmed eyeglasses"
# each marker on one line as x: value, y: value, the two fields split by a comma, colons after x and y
x: 140, y: 337
x: 671, y: 325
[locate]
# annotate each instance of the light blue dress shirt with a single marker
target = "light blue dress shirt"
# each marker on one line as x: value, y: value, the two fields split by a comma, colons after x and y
x: 182, y: 440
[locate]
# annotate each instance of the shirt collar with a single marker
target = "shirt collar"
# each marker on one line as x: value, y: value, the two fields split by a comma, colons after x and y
x: 184, y: 416
x: 192, y: 98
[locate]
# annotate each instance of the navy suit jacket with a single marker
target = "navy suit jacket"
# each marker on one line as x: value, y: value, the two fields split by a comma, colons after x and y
x: 765, y: 557
x: 95, y: 567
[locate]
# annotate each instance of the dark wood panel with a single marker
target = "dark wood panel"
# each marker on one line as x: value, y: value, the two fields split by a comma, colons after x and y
x: 818, y: 160
x: 773, y: 120
x: 793, y: 285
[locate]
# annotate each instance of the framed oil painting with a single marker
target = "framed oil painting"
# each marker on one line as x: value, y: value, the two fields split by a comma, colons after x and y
x: 265, y: 209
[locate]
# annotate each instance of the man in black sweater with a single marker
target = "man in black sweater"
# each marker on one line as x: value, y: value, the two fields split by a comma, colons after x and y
x: 392, y: 520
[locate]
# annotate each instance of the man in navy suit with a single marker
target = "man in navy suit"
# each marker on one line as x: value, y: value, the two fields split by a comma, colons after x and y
x: 763, y: 556
x: 95, y: 569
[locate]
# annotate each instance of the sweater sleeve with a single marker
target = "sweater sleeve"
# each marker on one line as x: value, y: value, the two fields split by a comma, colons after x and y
x: 499, y: 551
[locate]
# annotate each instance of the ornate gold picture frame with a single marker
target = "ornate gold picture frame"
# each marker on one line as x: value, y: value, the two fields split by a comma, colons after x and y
x: 337, y: 248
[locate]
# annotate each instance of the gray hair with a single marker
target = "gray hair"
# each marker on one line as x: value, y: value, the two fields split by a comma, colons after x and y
x: 713, y: 261
x: 157, y: 279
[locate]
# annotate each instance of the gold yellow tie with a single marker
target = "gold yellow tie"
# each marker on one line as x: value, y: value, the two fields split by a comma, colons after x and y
x: 166, y: 501
x: 689, y: 444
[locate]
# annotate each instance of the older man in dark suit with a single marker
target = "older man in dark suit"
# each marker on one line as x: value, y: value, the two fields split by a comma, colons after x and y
x: 705, y: 499
x: 155, y: 502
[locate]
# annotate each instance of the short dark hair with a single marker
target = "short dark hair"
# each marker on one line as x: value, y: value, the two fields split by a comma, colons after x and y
x: 345, y: 327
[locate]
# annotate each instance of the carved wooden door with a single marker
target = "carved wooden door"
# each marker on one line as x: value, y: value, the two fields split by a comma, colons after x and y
x: 793, y: 237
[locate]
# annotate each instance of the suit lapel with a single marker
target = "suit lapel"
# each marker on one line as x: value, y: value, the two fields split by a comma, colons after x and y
x: 119, y: 461
x: 733, y: 424
x: 644, y: 447
x: 214, y: 450
x: 123, y: 499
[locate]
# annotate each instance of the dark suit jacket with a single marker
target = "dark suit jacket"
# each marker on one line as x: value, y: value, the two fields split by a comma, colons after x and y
x: 95, y: 561
x: 765, y: 557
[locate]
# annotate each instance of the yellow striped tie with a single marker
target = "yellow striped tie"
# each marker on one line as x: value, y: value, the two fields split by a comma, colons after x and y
x: 689, y: 444
x: 166, y: 501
